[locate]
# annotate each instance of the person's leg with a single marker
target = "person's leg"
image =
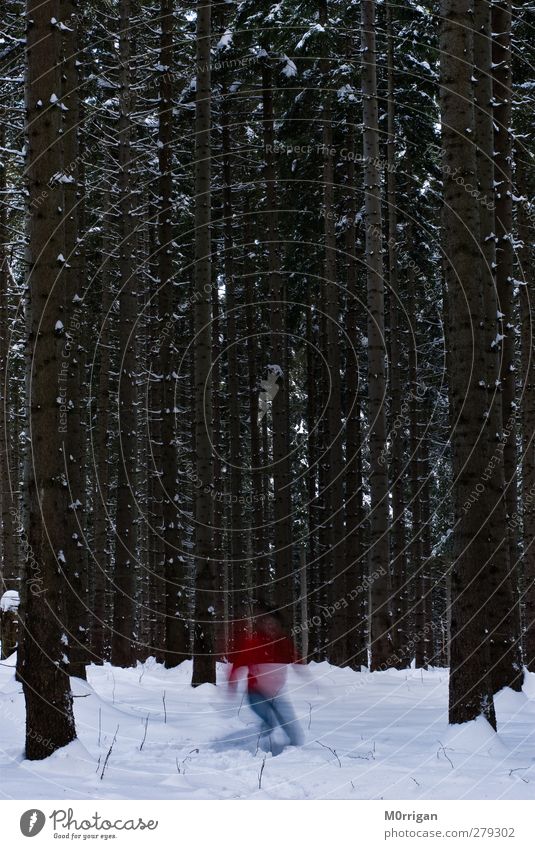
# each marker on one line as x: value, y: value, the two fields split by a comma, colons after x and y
x: 286, y: 718
x: 263, y: 709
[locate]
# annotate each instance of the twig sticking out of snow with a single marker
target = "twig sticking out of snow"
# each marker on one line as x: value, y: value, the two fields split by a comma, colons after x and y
x: 416, y: 782
x: 109, y: 753
x: 145, y: 734
x: 164, y: 709
x: 443, y: 750
x: 331, y: 750
x: 521, y: 777
x: 187, y: 758
x: 309, y: 714
x: 260, y: 773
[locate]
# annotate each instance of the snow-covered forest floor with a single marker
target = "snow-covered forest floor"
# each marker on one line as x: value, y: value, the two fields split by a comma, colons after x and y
x: 368, y: 736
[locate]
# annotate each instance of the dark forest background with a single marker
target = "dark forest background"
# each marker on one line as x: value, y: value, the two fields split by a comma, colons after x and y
x: 266, y: 334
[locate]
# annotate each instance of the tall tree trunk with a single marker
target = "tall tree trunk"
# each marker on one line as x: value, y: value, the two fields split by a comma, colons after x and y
x: 470, y: 683
x: 425, y: 511
x: 397, y: 538
x: 334, y: 562
x: 101, y: 558
x: 176, y: 635
x: 381, y: 644
x: 237, y: 538
x: 280, y: 468
x: 123, y: 653
x: 205, y: 586
x: 9, y: 567
x: 312, y: 466
x: 225, y: 582
x: 258, y: 531
x: 153, y: 448
x: 76, y: 586
x: 507, y: 654
x: 322, y: 596
x: 49, y: 713
x: 502, y: 609
x: 417, y: 568
x: 526, y: 213
x: 316, y: 476
x: 356, y: 622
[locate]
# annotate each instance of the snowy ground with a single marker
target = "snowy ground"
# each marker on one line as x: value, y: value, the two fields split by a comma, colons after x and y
x: 368, y: 736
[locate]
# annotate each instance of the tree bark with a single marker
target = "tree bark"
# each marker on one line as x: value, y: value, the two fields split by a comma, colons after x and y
x: 101, y: 558
x: 507, y: 655
x: 526, y: 213
x: 238, y: 559
x: 397, y: 537
x: 9, y: 568
x: 205, y: 587
x: 356, y: 621
x: 280, y: 470
x: 123, y: 639
x: 334, y: 561
x: 76, y: 587
x: 219, y: 411
x: 502, y: 608
x: 176, y: 634
x: 47, y: 692
x: 379, y: 562
x: 258, y: 531
x: 416, y: 549
x: 470, y: 683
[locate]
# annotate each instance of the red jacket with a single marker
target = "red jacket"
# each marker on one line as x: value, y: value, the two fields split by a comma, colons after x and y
x: 255, y: 652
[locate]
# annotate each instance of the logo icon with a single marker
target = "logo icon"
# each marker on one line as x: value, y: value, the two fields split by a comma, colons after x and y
x: 32, y: 822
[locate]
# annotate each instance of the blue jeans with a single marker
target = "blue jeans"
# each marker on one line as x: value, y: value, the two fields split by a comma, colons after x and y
x: 274, y: 712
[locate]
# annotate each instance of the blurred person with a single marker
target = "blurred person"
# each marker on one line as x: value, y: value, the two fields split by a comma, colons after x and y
x: 266, y: 653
